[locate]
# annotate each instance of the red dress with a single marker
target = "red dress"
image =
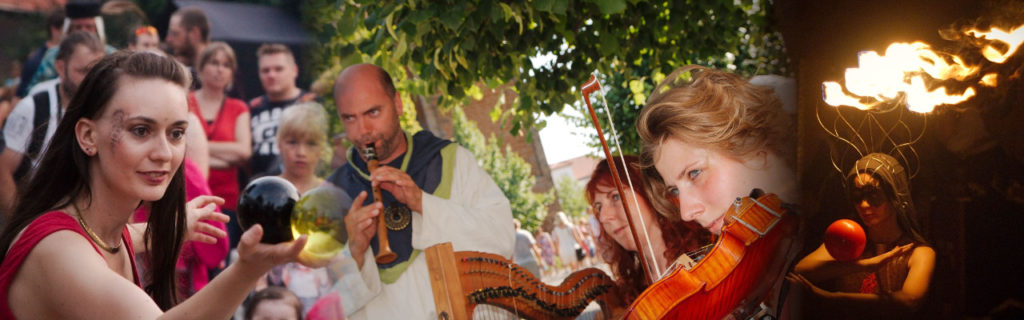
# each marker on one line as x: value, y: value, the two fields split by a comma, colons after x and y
x: 223, y: 182
x: 36, y: 231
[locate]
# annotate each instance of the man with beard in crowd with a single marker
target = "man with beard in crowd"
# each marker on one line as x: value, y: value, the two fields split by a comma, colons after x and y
x: 188, y: 33
x: 31, y: 124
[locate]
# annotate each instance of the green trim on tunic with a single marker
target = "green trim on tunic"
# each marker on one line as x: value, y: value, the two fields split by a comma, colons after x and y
x: 390, y: 275
x: 444, y: 188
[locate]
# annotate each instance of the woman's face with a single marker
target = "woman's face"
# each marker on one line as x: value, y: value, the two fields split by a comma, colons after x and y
x: 140, y: 138
x: 872, y: 204
x: 706, y: 181
x: 217, y: 71
x: 608, y: 208
x: 300, y: 154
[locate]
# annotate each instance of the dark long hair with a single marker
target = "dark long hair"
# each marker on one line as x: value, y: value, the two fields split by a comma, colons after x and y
x: 679, y: 236
x: 66, y: 168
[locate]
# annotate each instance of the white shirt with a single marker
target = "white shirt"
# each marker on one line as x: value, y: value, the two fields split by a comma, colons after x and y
x: 18, y: 128
x: 476, y: 217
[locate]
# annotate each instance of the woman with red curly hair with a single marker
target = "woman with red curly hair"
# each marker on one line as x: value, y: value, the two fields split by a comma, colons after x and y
x: 668, y: 240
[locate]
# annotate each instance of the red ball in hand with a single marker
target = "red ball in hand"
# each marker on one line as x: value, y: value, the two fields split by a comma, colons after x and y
x: 845, y: 240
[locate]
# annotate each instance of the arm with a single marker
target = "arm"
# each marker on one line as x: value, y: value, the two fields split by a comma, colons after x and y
x: 355, y: 287
x: 820, y: 266
x: 476, y: 217
x: 17, y: 131
x: 205, y: 224
x: 9, y: 161
x: 234, y: 152
x: 65, y: 278
x: 915, y: 287
x: 535, y: 249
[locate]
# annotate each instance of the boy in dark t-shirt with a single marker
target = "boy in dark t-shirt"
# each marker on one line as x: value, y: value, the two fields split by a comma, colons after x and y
x: 266, y: 115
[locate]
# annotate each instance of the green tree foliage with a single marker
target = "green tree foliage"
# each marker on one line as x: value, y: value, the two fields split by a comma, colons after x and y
x: 509, y: 171
x: 571, y: 197
x: 445, y: 47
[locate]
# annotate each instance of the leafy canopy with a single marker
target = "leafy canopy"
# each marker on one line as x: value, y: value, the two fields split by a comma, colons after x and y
x: 443, y: 48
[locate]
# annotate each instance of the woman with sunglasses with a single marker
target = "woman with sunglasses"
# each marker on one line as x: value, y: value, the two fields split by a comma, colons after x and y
x: 891, y: 277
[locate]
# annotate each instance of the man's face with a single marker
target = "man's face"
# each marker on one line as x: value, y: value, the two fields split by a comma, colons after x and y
x: 73, y: 71
x: 177, y: 38
x: 370, y: 115
x: 277, y: 73
x: 83, y: 24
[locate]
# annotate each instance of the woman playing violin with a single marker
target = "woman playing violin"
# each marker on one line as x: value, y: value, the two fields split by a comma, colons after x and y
x: 668, y: 239
x: 891, y: 277
x: 713, y: 139
x: 708, y: 141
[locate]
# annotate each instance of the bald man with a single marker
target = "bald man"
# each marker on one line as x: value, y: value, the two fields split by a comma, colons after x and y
x: 433, y: 192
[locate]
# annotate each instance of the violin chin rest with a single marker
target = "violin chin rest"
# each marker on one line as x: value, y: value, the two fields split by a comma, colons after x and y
x: 756, y: 193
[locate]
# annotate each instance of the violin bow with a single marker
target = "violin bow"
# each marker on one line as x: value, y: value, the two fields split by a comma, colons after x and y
x: 648, y: 265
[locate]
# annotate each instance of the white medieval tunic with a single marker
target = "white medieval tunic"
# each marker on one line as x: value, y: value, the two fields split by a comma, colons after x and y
x: 476, y: 217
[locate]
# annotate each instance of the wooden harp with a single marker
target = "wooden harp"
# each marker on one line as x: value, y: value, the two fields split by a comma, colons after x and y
x: 462, y: 280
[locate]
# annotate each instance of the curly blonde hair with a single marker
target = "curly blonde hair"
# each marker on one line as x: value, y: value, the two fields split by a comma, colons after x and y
x: 716, y: 110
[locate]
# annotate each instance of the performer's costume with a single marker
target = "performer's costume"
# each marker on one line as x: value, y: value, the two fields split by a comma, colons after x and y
x: 461, y: 204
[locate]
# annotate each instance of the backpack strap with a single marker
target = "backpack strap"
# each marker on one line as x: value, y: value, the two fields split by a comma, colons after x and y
x: 40, y: 123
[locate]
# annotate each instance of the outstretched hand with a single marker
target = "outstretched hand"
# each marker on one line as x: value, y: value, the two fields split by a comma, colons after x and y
x: 200, y: 211
x: 806, y: 285
x: 265, y: 256
x: 400, y: 185
x: 882, y: 259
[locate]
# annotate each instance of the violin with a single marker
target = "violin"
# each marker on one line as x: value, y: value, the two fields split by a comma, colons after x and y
x: 739, y: 269
x: 730, y: 279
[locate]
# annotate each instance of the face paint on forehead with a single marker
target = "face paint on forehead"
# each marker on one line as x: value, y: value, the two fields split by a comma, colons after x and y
x: 117, y: 132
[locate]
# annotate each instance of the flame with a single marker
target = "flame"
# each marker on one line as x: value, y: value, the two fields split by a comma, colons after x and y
x: 900, y: 72
x: 989, y: 80
x: 834, y: 96
x: 907, y: 70
x: 1012, y: 39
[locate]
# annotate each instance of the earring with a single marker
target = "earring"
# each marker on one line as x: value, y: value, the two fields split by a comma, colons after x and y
x: 88, y: 151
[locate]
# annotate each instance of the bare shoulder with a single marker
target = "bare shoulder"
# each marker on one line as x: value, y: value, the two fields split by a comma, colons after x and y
x: 64, y: 277
x: 922, y: 255
x: 45, y: 271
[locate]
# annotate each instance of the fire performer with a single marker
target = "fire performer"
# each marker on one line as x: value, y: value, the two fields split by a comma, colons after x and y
x: 891, y: 278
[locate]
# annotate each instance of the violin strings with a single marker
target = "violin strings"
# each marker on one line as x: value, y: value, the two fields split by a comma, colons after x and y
x: 515, y: 304
x: 653, y: 263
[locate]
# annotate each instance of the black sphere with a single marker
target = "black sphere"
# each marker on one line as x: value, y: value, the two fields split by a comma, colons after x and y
x: 268, y: 201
